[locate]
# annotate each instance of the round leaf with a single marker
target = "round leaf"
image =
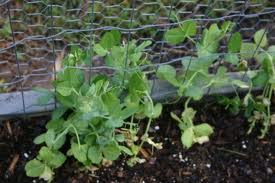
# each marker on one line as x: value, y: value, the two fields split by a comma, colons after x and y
x: 34, y: 168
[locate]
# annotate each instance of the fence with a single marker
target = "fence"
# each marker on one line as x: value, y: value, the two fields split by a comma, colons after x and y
x: 36, y: 35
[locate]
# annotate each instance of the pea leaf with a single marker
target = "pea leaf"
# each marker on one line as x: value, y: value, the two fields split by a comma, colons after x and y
x: 55, y: 124
x: 210, y: 41
x: 260, y: 79
x: 174, y: 36
x: 100, y: 51
x: 260, y: 38
x: 47, y: 174
x: 58, y: 112
x: 52, y: 158
x: 79, y: 152
x: 111, y: 151
x: 64, y: 89
x: 47, y: 95
x: 235, y: 43
x: 126, y: 150
x: 248, y: 50
x: 152, y: 111
x: 271, y: 51
x: 39, y: 139
x: 187, y: 137
x: 34, y: 168
x: 110, y: 39
x: 240, y: 83
x: 175, y: 117
x: 178, y: 35
x: 168, y: 73
x: 142, y: 46
x: 195, y: 92
x: 203, y: 129
x: 232, y: 58
x: 95, y: 155
x: 50, y: 137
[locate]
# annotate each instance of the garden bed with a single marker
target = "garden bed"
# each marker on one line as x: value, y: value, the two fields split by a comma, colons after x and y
x: 229, y: 156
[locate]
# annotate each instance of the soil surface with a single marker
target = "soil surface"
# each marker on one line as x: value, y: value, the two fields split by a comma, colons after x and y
x: 230, y: 156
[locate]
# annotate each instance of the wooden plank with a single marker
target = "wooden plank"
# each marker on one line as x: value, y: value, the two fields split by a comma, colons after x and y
x: 11, y: 104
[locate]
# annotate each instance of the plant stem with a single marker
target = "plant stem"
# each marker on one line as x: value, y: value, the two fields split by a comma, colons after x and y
x: 144, y: 135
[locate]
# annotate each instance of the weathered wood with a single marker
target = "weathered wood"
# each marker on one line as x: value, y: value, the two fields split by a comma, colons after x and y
x: 11, y: 104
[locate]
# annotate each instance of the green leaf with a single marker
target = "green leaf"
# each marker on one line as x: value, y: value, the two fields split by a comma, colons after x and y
x: 126, y: 150
x: 39, y: 139
x: 268, y: 65
x: 55, y: 124
x: 271, y: 51
x: 152, y: 111
x: 235, y: 43
x: 178, y: 35
x: 114, y: 122
x: 120, y: 137
x: 47, y: 174
x: 260, y: 38
x: 138, y: 84
x: 187, y: 137
x: 110, y: 39
x: 46, y: 96
x: 60, y: 141
x: 199, y: 64
x: 143, y: 45
x: 227, y: 26
x: 240, y: 83
x: 79, y: 152
x: 194, y: 92
x: 100, y: 51
x: 261, y: 56
x: 232, y: 58
x: 168, y: 73
x: 203, y: 129
x: 175, y: 117
x: 248, y: 50
x: 95, y: 155
x: 111, y: 151
x: 58, y: 112
x: 50, y: 137
x: 210, y: 41
x: 64, y: 89
x: 174, y: 36
x: 112, y: 103
x: 260, y: 79
x: 34, y: 168
x: 220, y: 79
x: 189, y: 28
x: 52, y: 158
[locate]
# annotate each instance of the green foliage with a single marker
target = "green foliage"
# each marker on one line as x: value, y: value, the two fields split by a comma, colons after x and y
x: 178, y: 35
x: 93, y: 113
x: 256, y: 108
x: 192, y: 133
x: 98, y: 116
x: 195, y: 77
x: 43, y: 165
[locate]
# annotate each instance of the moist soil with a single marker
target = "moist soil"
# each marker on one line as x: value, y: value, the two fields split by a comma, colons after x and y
x: 230, y: 155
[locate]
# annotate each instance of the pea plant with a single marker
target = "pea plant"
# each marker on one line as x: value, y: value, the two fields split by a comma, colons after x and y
x: 257, y: 108
x: 97, y: 117
x: 195, y: 78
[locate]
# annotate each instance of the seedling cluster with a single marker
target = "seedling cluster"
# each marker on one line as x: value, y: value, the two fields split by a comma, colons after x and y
x: 99, y: 116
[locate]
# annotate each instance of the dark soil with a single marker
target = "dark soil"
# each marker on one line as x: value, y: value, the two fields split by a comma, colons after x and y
x: 230, y: 156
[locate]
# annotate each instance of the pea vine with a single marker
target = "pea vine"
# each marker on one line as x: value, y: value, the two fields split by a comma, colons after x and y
x: 98, y: 117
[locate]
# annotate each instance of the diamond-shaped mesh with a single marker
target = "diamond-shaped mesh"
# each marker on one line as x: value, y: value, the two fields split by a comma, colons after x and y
x: 36, y: 34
